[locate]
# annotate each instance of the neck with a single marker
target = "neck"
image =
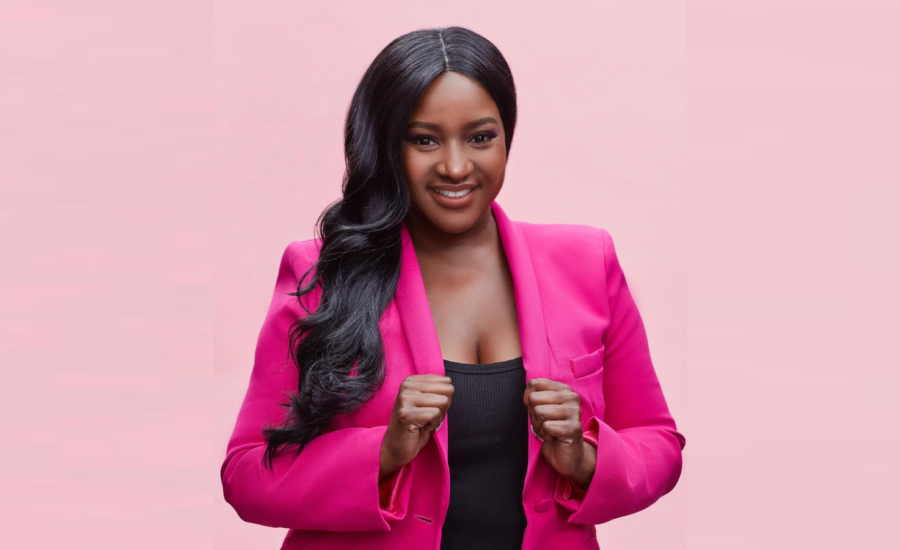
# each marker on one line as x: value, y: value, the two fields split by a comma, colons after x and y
x: 431, y: 241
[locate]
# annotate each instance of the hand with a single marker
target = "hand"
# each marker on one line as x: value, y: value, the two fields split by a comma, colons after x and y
x: 555, y: 412
x: 420, y: 407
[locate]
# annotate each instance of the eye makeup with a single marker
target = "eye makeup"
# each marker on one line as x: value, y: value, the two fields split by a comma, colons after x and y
x: 489, y: 135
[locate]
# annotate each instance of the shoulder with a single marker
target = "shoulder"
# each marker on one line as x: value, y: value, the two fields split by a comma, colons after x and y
x: 571, y: 252
x: 565, y: 239
x: 296, y: 263
x: 300, y: 255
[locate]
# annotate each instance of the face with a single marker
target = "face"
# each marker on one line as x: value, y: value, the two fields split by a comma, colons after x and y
x: 454, y: 141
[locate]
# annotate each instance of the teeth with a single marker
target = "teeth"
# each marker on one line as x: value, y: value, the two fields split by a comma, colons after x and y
x: 454, y: 194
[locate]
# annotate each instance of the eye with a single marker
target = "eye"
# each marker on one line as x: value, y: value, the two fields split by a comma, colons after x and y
x: 486, y: 135
x: 417, y: 140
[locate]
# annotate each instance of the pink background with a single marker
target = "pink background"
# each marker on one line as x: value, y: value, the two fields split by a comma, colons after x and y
x: 157, y: 157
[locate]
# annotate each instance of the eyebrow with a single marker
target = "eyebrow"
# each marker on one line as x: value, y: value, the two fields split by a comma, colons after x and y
x: 436, y: 127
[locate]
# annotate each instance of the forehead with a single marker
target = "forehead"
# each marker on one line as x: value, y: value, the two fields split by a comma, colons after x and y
x: 453, y: 98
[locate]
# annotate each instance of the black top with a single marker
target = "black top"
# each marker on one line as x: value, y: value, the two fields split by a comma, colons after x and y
x: 487, y: 442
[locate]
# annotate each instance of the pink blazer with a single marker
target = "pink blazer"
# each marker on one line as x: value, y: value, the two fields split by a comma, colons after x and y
x: 578, y: 324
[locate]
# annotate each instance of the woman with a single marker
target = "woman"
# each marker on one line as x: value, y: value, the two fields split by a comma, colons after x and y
x: 421, y: 298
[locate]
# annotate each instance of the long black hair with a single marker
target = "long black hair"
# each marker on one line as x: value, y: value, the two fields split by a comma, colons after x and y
x: 359, y: 263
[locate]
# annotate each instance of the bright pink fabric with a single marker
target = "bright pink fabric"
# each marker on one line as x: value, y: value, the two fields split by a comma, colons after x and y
x: 578, y: 324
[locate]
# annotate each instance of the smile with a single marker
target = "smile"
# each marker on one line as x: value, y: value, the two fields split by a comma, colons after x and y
x: 454, y: 194
x: 455, y: 199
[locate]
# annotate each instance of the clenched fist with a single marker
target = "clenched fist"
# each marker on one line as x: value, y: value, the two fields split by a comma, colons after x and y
x: 419, y: 409
x: 555, y: 412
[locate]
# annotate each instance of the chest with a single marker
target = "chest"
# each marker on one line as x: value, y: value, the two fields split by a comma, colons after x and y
x: 474, y: 312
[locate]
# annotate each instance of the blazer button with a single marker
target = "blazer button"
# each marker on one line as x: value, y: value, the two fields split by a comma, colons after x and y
x: 544, y: 505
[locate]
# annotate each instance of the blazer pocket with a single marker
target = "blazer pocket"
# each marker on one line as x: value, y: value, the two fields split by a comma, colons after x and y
x: 588, y: 382
x: 586, y: 365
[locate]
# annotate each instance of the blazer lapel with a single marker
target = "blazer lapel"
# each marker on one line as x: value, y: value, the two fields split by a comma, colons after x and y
x: 421, y: 333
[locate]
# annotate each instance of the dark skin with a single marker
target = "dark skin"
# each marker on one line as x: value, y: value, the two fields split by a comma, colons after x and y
x: 467, y: 277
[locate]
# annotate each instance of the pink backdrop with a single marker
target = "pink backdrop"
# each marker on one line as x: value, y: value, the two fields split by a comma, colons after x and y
x: 157, y: 157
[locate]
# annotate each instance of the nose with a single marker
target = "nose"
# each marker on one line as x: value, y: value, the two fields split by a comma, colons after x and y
x: 455, y: 164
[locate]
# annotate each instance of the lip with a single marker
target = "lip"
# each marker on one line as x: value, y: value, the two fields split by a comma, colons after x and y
x: 459, y: 202
x: 457, y: 187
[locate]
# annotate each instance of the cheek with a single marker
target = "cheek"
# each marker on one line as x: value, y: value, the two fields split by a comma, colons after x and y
x: 494, y: 165
x: 414, y: 168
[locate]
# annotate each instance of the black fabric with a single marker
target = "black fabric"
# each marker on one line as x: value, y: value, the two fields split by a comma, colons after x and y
x: 488, y: 455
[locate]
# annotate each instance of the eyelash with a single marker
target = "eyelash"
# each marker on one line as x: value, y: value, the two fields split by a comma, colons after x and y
x: 489, y: 135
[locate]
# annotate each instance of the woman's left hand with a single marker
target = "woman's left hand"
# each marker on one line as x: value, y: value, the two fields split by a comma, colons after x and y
x: 555, y: 412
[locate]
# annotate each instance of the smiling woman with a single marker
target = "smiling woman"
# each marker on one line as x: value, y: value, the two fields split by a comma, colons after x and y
x: 558, y: 421
x: 455, y: 153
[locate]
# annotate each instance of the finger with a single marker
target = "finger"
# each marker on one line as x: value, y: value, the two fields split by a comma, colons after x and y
x: 424, y: 414
x: 564, y: 411
x: 536, y: 434
x: 414, y: 399
x: 424, y: 378
x: 436, y: 422
x: 439, y: 387
x: 540, y: 414
x: 536, y: 424
x: 417, y: 419
x: 561, y: 429
x: 545, y: 384
x: 553, y: 397
x: 535, y: 384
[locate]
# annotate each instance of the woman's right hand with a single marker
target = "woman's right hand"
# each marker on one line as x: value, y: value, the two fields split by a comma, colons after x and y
x: 419, y: 409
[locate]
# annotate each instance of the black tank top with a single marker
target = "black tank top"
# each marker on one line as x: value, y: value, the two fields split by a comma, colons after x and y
x: 487, y: 443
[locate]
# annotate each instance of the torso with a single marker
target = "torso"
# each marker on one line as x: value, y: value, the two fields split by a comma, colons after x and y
x: 473, y: 306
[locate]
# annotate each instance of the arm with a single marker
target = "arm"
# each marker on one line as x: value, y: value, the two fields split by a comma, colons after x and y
x: 638, y: 447
x: 333, y: 484
x: 574, y: 488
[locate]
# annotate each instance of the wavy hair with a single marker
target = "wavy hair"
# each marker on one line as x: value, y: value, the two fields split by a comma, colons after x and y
x: 359, y: 263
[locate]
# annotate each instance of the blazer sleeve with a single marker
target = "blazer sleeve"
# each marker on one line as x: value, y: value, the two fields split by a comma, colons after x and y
x: 332, y: 484
x: 638, y: 447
